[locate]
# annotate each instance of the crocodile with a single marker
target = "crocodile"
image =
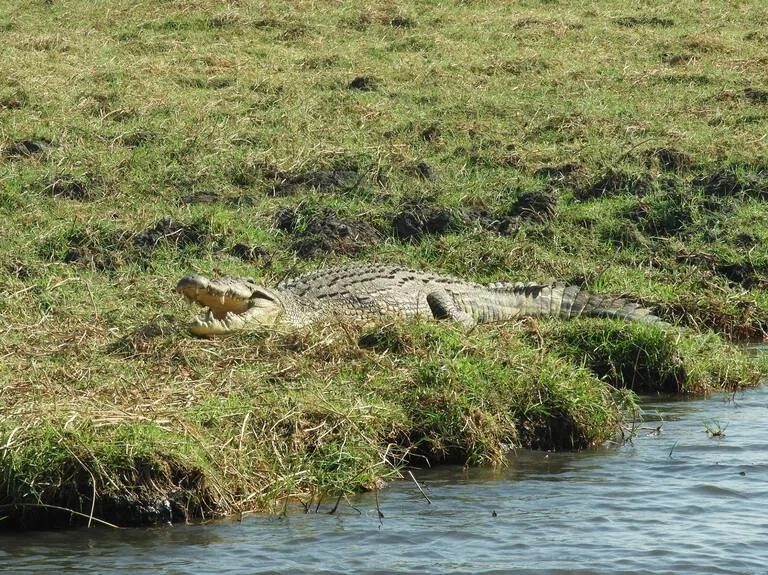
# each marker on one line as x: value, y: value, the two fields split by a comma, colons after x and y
x: 374, y: 292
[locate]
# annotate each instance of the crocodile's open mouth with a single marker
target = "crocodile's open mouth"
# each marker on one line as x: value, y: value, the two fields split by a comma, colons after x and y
x: 231, y: 304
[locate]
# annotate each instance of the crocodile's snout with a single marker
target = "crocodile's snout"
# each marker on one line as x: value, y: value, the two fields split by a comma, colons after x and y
x: 220, y: 296
x: 188, y: 284
x: 233, y: 304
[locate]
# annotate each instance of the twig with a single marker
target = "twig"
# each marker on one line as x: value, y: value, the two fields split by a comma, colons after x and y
x: 242, y: 430
x: 335, y: 507
x: 93, y: 479
x: 352, y: 506
x: 673, y: 448
x: 378, y: 509
x: 429, y: 501
x: 631, y: 148
x: 93, y: 300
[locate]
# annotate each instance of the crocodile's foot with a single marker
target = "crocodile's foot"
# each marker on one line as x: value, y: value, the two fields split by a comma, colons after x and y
x: 232, y: 304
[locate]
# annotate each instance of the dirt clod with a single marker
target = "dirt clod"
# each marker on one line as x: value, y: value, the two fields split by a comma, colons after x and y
x: 206, y: 198
x: 560, y: 172
x: 88, y: 257
x: 677, y: 58
x: 570, y: 175
x: 534, y: 205
x: 323, y: 232
x: 668, y: 159
x: 756, y: 95
x: 663, y: 215
x: 430, y: 133
x: 24, y: 148
x: 18, y: 269
x: 70, y: 188
x: 168, y: 230
x: 138, y: 138
x: 635, y: 21
x: 614, y: 182
x: 502, y: 224
x: 424, y: 171
x: 420, y: 219
x: 251, y: 253
x: 726, y: 182
x: 320, y: 180
x: 400, y: 21
x: 364, y: 84
x: 742, y: 272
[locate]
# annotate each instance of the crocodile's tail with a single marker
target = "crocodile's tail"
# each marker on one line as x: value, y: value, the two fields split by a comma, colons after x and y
x: 532, y: 299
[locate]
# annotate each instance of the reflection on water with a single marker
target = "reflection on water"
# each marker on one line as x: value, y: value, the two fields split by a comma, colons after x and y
x: 679, y: 501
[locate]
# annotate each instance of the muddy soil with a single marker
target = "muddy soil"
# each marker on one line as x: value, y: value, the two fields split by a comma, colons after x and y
x: 614, y: 182
x: 668, y: 159
x: 251, y: 254
x: 25, y: 148
x: 70, y: 188
x: 288, y: 184
x: 418, y: 219
x: 727, y: 182
x: 364, y: 84
x: 169, y: 231
x: 318, y: 232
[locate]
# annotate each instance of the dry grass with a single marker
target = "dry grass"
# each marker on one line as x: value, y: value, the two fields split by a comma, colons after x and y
x: 163, y: 427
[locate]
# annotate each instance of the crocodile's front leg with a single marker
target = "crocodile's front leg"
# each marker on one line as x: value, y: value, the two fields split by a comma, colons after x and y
x: 442, y: 306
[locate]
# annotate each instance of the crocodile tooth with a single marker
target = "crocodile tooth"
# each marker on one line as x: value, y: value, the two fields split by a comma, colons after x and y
x: 233, y: 320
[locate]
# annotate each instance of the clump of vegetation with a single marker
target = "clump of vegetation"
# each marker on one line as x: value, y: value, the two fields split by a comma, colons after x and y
x: 646, y: 359
x: 296, y: 416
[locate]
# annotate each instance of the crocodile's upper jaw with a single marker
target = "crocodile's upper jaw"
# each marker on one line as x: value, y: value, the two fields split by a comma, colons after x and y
x: 233, y: 304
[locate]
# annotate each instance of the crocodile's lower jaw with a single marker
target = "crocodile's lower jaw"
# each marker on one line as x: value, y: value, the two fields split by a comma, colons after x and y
x: 208, y: 324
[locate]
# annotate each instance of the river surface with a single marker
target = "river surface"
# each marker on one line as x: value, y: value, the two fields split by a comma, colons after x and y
x: 678, y: 501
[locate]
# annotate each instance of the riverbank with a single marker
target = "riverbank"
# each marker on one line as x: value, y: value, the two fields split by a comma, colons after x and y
x: 678, y: 480
x: 620, y: 151
x: 176, y: 429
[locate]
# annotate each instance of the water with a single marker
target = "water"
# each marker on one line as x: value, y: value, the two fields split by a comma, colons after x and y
x: 676, y: 502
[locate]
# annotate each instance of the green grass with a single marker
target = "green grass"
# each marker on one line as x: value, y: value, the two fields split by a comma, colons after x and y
x: 646, y: 359
x: 618, y: 147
